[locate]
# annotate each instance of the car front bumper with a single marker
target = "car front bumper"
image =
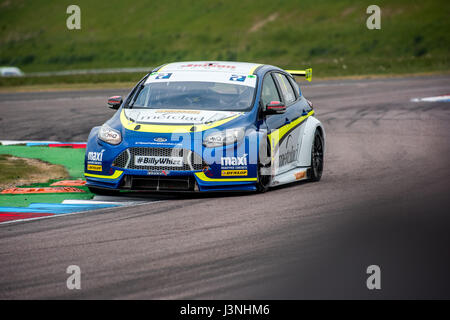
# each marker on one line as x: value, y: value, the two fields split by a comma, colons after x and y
x: 116, y: 167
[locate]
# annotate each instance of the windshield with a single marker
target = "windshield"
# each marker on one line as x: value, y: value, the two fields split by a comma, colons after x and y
x: 194, y: 95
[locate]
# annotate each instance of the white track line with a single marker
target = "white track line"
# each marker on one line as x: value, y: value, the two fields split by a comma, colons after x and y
x: 442, y: 98
x: 117, y: 203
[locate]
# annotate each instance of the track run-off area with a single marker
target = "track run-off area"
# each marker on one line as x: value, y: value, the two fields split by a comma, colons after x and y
x: 383, y: 200
x: 59, y: 195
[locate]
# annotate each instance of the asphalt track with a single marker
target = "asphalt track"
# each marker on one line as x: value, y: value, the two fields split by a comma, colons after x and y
x: 383, y: 200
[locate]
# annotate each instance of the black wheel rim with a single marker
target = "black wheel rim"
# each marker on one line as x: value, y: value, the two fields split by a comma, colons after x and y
x: 317, y: 155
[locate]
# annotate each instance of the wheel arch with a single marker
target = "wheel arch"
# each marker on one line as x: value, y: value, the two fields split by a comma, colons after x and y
x: 312, y: 124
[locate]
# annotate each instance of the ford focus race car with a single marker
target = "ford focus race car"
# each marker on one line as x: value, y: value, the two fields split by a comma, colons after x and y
x: 207, y: 126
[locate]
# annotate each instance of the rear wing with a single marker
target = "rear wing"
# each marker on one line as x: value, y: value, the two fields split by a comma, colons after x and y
x: 303, y: 73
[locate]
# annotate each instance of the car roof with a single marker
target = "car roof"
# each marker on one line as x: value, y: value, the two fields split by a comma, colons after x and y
x: 211, y: 66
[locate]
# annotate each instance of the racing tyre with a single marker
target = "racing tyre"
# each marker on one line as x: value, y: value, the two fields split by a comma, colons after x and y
x: 316, y: 157
x: 263, y: 181
x: 103, y: 192
x: 264, y: 168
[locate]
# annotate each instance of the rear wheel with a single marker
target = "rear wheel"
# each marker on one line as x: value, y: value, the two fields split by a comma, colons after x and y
x: 103, y: 192
x: 316, y: 157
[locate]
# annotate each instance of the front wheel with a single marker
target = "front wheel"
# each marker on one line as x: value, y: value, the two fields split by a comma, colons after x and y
x: 264, y: 168
x: 264, y: 179
x: 316, y: 157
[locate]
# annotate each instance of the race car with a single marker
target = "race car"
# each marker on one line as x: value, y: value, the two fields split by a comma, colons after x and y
x: 207, y: 126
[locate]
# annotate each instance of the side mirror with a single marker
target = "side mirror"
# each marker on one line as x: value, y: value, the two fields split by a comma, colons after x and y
x: 115, y: 102
x: 275, y: 107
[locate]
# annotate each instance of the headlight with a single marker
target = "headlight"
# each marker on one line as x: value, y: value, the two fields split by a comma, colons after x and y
x: 109, y: 135
x: 222, y: 138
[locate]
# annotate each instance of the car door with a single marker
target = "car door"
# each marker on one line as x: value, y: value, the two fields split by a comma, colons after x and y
x: 285, y: 136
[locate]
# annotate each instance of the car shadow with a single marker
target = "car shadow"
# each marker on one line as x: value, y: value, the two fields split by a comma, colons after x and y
x: 186, y: 195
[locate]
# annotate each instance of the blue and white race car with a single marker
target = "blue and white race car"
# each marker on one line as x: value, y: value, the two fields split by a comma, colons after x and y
x: 207, y: 126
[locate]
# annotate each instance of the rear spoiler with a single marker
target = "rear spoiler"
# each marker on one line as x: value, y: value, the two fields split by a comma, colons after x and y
x: 303, y: 73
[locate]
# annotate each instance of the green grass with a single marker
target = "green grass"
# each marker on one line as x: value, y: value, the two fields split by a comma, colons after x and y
x: 328, y: 35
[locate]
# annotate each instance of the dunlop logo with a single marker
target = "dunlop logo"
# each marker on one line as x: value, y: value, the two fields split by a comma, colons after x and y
x: 94, y: 167
x: 234, y: 173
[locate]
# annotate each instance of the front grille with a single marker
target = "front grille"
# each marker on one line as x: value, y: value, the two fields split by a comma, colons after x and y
x: 175, y: 183
x: 191, y: 160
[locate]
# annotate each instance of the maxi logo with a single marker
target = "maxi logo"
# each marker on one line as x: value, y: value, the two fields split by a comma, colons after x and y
x: 95, y: 156
x: 234, y: 161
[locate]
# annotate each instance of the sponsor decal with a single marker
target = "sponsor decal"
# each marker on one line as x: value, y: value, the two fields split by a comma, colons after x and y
x: 172, y: 117
x: 160, y: 139
x: 234, y: 173
x: 290, y: 154
x: 158, y: 172
x: 237, y: 78
x: 300, y: 175
x: 155, y: 161
x: 234, y: 161
x: 178, y: 116
x: 209, y: 65
x: 207, y: 171
x: 94, y: 167
x: 95, y: 156
x: 163, y: 76
x: 156, y: 143
x: 178, y: 111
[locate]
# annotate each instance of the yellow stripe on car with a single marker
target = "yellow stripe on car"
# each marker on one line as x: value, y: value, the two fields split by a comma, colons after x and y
x: 278, y: 134
x: 203, y: 177
x: 115, y: 175
x: 254, y: 68
x: 164, y: 66
x: 167, y: 128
